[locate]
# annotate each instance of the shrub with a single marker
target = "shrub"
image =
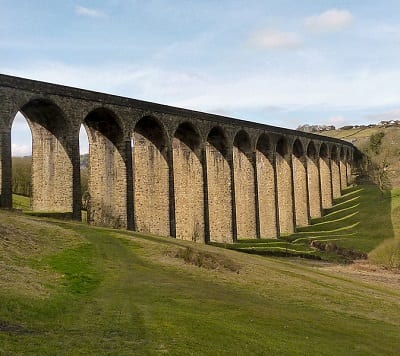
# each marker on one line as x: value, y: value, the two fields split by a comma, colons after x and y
x: 204, y: 259
x: 387, y: 254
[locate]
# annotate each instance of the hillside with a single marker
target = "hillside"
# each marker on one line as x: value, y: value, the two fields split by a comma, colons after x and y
x: 389, y: 150
x: 68, y: 288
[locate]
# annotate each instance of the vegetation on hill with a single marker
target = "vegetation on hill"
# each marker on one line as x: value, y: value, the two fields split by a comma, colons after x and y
x: 21, y: 175
x: 68, y: 288
x: 381, y: 149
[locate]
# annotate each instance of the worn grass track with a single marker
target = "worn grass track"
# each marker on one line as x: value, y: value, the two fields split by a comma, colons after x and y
x: 115, y: 292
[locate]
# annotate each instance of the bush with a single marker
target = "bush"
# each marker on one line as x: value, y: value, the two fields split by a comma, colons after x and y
x: 204, y: 259
x: 387, y: 254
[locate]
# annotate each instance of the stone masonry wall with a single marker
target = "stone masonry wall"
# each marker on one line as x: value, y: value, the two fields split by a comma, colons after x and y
x: 349, y: 177
x: 51, y: 172
x: 336, y: 188
x: 285, y: 195
x: 244, y: 195
x: 188, y: 184
x: 314, y: 190
x: 107, y: 183
x: 266, y: 196
x: 151, y: 187
x: 343, y: 175
x: 300, y: 190
x: 219, y: 195
x: 326, y: 184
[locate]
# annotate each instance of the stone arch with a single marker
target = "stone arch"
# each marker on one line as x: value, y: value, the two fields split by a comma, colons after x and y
x: 266, y: 185
x: 343, y: 168
x: 108, y: 169
x: 151, y: 167
x: 188, y: 183
x: 335, y: 170
x: 243, y: 173
x: 54, y: 152
x: 325, y: 176
x: 299, y: 165
x: 313, y: 181
x: 219, y: 186
x: 284, y: 186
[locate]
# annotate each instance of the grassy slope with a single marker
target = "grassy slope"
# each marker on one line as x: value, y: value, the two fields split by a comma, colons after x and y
x: 360, y: 220
x: 104, y: 291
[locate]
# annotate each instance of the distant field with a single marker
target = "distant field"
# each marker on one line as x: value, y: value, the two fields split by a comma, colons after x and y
x: 68, y: 288
x: 389, y: 150
x: 353, y: 134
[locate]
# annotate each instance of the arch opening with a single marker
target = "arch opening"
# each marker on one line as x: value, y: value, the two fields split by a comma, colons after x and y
x: 84, y: 169
x: 188, y: 184
x: 21, y: 154
x: 219, y: 187
x: 266, y: 188
x: 52, y: 156
x: 151, y: 178
x: 107, y: 170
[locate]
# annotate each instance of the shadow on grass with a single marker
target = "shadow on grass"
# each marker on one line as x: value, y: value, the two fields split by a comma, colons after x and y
x: 358, y: 222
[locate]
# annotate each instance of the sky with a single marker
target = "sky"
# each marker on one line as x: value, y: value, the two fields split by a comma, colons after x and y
x: 283, y: 63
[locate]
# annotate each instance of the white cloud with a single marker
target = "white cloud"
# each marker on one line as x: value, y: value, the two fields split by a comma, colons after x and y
x: 228, y: 92
x: 386, y: 116
x: 329, y: 21
x: 336, y: 120
x: 274, y: 39
x: 20, y: 150
x: 85, y: 11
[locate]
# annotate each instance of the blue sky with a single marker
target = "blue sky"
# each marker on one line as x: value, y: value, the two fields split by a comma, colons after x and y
x: 283, y: 63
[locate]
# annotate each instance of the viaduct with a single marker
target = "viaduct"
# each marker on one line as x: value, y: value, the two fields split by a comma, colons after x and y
x: 166, y: 170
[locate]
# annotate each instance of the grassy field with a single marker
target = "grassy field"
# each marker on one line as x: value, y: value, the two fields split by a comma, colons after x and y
x: 67, y: 288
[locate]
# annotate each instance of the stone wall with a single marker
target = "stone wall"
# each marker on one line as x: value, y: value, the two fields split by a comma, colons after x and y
x: 285, y: 195
x: 336, y: 185
x: 266, y: 195
x: 300, y: 190
x: 219, y: 195
x: 244, y: 194
x: 314, y: 187
x: 151, y: 180
x: 343, y: 175
x: 189, y: 190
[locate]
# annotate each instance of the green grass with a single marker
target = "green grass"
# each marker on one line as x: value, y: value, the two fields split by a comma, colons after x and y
x: 116, y: 292
x: 21, y: 202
